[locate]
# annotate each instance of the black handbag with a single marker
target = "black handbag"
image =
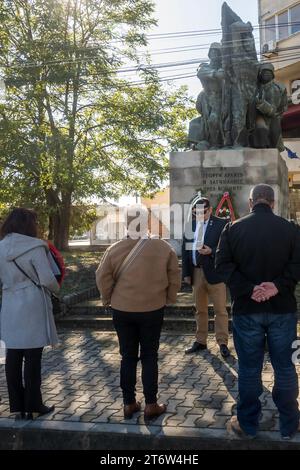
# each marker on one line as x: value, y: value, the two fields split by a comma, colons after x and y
x: 56, y: 305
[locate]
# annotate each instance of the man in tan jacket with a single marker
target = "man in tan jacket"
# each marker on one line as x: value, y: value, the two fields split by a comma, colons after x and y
x: 138, y: 294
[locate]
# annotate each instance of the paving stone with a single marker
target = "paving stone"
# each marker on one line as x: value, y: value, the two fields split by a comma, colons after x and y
x: 204, y: 379
x: 220, y: 422
x: 180, y: 394
x: 190, y: 420
x: 104, y: 416
x: 182, y: 411
x: 267, y: 421
x: 87, y: 417
x: 217, y: 399
x: 267, y: 402
x: 189, y: 401
x: 173, y: 404
x: 159, y: 421
x: 204, y: 399
x: 174, y: 420
x: 81, y: 379
x: 226, y: 409
x: 207, y: 419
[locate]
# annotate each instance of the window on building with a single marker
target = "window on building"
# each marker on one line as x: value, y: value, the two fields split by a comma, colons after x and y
x: 270, y: 29
x: 295, y: 18
x: 283, y: 27
x: 295, y: 91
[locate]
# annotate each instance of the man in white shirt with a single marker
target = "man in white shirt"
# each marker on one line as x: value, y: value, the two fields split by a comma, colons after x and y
x: 198, y: 254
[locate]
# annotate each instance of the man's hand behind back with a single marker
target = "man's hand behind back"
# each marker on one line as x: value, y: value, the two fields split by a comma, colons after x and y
x: 264, y: 292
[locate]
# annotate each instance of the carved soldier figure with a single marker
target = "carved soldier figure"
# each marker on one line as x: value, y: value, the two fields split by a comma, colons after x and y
x: 271, y: 102
x: 206, y: 131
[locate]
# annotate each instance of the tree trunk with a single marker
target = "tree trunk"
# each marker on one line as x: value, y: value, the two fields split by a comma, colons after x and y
x: 59, y: 218
x: 61, y: 223
x: 51, y: 228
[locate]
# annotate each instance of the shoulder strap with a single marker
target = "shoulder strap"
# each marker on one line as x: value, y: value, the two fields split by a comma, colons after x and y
x: 25, y: 274
x: 33, y: 281
x: 132, y: 255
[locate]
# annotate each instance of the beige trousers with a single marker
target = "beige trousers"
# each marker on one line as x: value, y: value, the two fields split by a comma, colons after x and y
x: 217, y: 293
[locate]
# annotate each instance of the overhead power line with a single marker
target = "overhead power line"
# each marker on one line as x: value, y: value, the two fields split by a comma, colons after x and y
x: 288, y: 53
x: 182, y: 76
x: 90, y: 58
x: 216, y: 30
x: 139, y: 67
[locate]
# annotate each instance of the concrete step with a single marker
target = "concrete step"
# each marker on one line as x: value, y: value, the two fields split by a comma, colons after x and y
x: 178, y: 317
x: 184, y: 307
x: 180, y: 311
x: 104, y: 323
x: 77, y: 436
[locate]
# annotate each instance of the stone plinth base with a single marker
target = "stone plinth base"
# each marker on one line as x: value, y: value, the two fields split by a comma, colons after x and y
x: 235, y: 171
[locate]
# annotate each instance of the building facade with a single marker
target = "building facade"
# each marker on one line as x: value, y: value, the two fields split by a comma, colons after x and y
x: 279, y: 22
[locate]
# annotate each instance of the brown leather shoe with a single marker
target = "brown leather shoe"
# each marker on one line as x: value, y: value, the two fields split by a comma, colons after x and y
x: 153, y: 410
x: 129, y: 410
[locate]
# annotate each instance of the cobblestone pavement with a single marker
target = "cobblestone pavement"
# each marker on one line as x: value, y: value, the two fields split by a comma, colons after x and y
x: 81, y: 378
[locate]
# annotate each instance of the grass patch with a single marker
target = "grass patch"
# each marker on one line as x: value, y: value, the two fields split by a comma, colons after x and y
x: 80, y: 271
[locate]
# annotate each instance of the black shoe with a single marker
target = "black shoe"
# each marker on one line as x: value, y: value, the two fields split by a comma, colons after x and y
x: 224, y: 350
x: 43, y: 411
x: 196, y: 347
x: 19, y: 416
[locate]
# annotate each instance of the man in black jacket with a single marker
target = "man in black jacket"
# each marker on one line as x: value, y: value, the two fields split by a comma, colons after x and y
x: 259, y: 258
x: 198, y: 268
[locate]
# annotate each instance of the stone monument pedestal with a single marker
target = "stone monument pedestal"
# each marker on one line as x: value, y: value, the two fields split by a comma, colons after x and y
x: 214, y: 172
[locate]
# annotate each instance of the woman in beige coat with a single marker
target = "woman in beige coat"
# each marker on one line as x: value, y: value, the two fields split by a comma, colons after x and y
x: 138, y: 294
x: 26, y: 318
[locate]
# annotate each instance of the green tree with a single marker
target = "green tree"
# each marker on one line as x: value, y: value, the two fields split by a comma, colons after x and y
x: 82, y: 218
x: 72, y: 126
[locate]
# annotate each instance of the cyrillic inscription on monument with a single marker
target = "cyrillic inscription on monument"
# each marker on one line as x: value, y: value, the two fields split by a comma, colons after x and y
x: 221, y: 179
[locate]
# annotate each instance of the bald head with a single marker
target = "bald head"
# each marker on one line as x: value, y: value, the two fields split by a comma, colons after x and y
x: 262, y: 194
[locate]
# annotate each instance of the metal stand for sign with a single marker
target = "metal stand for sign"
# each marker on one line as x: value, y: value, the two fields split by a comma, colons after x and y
x: 226, y: 199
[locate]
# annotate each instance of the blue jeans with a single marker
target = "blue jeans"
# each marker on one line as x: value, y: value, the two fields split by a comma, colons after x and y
x: 249, y: 335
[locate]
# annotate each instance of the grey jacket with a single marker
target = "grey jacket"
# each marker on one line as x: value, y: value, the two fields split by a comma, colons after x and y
x: 26, y: 318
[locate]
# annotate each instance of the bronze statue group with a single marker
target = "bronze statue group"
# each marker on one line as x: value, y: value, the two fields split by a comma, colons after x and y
x: 241, y: 105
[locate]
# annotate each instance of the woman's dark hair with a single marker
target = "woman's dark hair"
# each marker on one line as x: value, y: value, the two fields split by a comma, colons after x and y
x: 23, y: 221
